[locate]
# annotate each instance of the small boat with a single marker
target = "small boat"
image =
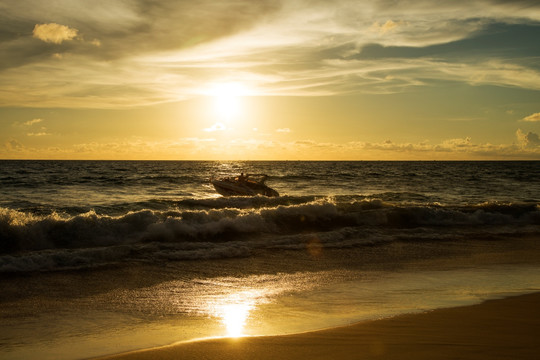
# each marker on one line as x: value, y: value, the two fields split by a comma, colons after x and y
x: 243, y: 185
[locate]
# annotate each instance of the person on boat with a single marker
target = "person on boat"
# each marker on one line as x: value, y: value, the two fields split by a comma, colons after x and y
x: 242, y: 178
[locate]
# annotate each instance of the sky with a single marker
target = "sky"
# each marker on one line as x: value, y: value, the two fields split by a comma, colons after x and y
x: 270, y: 80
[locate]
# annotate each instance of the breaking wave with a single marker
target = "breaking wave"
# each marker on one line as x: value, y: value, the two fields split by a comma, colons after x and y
x: 195, y: 229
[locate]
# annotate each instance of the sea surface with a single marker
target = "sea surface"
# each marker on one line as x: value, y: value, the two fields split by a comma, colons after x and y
x: 100, y: 257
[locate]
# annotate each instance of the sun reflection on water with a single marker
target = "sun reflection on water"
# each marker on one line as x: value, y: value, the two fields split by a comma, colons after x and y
x: 234, y: 318
x: 252, y: 305
x: 234, y: 310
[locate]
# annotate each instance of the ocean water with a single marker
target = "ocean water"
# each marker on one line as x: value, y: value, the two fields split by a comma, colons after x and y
x: 99, y: 257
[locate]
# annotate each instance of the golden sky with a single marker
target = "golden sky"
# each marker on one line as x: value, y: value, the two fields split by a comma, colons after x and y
x: 269, y: 80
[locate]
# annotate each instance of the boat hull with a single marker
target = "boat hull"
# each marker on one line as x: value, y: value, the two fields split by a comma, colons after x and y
x: 229, y: 187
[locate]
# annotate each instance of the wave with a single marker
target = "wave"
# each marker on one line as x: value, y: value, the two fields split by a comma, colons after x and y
x: 236, y: 227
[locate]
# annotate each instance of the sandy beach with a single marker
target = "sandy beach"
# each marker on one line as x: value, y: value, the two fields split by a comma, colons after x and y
x: 497, y: 329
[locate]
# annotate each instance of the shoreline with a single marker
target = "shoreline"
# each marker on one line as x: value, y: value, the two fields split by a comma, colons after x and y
x: 495, y: 329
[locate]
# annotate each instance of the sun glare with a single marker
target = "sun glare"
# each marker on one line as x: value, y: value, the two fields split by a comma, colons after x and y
x: 234, y: 310
x: 228, y: 99
x: 234, y: 318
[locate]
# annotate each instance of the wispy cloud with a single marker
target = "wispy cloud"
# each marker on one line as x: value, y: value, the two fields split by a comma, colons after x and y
x: 533, y: 118
x: 388, y: 26
x: 282, y: 48
x: 33, y: 121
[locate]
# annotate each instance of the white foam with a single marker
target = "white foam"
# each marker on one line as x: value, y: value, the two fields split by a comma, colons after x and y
x: 46, y: 242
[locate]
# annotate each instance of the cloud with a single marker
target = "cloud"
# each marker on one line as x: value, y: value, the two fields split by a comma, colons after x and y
x: 450, y: 149
x: 13, y: 146
x: 38, y: 134
x: 132, y: 149
x: 32, y: 122
x: 54, y: 33
x: 216, y: 127
x: 533, y: 117
x: 457, y: 143
x: 299, y: 47
x: 283, y: 130
x: 528, y: 140
x: 252, y: 148
x: 388, y: 26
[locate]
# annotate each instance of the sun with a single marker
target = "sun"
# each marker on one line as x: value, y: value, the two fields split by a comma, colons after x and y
x: 228, y: 99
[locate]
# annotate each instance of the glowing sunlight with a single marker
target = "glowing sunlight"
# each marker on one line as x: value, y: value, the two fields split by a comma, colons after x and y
x: 228, y: 99
x: 234, y: 318
x: 234, y: 310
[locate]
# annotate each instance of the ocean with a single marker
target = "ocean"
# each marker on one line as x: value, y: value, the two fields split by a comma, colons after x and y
x: 100, y: 257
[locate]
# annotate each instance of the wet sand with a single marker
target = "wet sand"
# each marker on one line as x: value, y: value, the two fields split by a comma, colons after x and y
x: 497, y: 329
